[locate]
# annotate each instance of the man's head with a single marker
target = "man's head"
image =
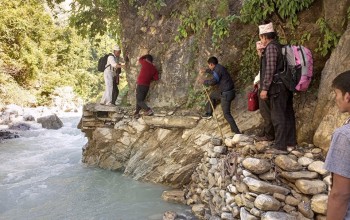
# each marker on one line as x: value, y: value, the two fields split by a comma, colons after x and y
x: 267, y: 33
x: 149, y: 58
x: 116, y: 50
x: 212, y: 61
x: 341, y: 86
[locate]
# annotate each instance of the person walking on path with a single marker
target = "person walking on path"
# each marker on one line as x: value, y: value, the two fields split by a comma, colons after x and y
x: 338, y: 157
x: 225, y: 94
x: 276, y: 99
x: 111, y: 77
x: 147, y: 74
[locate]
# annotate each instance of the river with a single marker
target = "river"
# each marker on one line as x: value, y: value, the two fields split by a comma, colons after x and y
x: 42, y: 177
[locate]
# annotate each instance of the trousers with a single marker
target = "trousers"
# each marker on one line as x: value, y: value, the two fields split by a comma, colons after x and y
x: 226, y: 99
x: 141, y: 94
x: 281, y: 115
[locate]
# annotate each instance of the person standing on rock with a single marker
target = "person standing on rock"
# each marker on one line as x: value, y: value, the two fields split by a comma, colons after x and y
x: 111, y: 77
x: 276, y: 99
x: 147, y: 74
x: 225, y: 94
x: 267, y: 134
x: 338, y: 157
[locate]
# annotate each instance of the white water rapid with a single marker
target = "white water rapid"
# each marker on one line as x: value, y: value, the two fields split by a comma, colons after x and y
x: 42, y: 177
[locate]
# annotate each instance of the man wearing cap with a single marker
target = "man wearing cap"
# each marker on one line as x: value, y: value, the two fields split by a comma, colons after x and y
x: 111, y: 76
x: 276, y: 104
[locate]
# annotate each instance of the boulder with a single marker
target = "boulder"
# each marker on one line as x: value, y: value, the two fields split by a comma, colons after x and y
x: 50, y: 122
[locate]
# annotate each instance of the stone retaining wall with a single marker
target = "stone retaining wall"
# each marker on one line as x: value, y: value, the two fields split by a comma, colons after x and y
x: 243, y: 182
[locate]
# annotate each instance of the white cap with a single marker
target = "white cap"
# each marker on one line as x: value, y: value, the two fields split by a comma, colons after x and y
x: 116, y: 47
x: 266, y: 28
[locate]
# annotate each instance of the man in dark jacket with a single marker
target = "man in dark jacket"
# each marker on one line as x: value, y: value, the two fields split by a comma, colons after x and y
x: 276, y: 103
x: 147, y: 74
x: 225, y: 94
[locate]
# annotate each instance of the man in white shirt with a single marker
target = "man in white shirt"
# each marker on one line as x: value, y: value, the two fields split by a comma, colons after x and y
x: 111, y: 77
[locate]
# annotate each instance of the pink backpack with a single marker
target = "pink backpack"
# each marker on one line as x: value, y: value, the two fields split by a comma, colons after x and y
x: 299, y: 59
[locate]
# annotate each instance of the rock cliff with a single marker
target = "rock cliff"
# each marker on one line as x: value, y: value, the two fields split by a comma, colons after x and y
x: 179, y: 62
x: 174, y: 147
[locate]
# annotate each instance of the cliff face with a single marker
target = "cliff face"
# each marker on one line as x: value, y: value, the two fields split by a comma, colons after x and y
x: 174, y: 144
x: 179, y: 62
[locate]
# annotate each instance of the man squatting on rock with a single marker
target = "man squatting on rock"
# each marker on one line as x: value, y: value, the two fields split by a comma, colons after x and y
x: 338, y: 156
x: 147, y: 74
x: 225, y: 94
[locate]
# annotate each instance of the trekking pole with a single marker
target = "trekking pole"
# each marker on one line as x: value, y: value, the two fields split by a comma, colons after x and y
x: 212, y: 106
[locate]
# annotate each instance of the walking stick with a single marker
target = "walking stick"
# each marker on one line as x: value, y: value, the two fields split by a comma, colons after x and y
x: 212, y: 106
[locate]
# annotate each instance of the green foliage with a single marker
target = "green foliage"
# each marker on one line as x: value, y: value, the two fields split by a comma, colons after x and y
x: 196, y: 98
x: 37, y: 55
x: 97, y: 17
x: 199, y: 17
x: 329, y: 38
x: 220, y: 27
x: 148, y: 10
x: 249, y: 64
x: 256, y: 11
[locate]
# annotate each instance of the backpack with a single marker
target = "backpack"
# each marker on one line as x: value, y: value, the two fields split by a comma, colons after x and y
x: 298, y: 67
x: 102, y: 62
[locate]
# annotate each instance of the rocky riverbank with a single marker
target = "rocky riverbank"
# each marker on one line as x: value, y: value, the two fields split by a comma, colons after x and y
x: 230, y: 179
x: 14, y: 119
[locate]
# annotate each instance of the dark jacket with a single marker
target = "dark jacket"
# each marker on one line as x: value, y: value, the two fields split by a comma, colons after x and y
x: 220, y: 77
x: 268, y: 71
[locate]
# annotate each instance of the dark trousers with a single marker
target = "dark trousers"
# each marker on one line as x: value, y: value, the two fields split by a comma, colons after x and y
x: 282, y: 116
x: 141, y: 94
x: 225, y: 98
x: 265, y: 111
x: 115, y: 91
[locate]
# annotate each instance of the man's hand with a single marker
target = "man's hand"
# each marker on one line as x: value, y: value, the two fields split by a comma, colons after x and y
x: 263, y: 95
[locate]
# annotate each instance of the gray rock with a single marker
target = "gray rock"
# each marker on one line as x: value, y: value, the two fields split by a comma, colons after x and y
x: 267, y: 203
x: 171, y: 121
x: 291, y: 200
x: 317, y: 166
x: 311, y: 187
x: 216, y: 141
x: 244, y: 214
x: 287, y: 164
x: 177, y: 196
x: 50, y: 122
x: 268, y: 176
x: 21, y: 126
x: 305, y: 209
x: 227, y: 216
x: 264, y: 187
x: 220, y: 149
x: 7, y: 135
x: 256, y: 166
x: 319, y: 203
x: 169, y: 215
x: 305, y: 161
x: 277, y: 216
x: 293, y: 176
x: 198, y: 209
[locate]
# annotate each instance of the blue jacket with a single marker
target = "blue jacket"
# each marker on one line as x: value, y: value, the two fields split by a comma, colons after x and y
x: 220, y: 77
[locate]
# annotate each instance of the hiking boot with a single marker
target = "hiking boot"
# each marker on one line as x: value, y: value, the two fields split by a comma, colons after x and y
x: 136, y: 115
x: 149, y: 112
x: 207, y: 116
